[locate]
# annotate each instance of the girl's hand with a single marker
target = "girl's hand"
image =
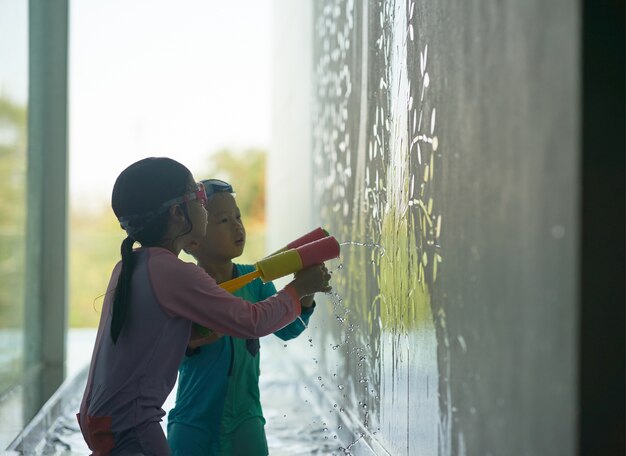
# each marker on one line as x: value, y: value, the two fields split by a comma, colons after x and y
x: 312, y: 280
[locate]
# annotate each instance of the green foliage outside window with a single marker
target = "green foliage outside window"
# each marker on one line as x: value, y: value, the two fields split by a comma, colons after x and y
x: 13, y: 138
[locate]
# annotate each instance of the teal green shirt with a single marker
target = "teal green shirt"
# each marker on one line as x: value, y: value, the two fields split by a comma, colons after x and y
x: 218, y: 385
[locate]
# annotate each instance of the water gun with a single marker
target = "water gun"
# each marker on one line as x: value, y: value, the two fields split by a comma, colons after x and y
x: 314, y: 247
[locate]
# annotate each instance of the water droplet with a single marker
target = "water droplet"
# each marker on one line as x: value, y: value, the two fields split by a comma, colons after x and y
x: 432, y: 122
x: 462, y: 343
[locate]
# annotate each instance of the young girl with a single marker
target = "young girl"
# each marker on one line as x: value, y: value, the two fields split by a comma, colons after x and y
x: 152, y: 300
x: 218, y: 408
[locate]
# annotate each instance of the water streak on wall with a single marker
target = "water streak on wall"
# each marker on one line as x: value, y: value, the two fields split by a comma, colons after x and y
x: 378, y: 175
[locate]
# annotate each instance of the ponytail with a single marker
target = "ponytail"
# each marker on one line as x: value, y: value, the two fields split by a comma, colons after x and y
x: 137, y: 200
x: 122, y: 291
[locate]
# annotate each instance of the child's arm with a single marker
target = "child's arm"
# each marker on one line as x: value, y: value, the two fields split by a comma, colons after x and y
x: 194, y: 295
x: 295, y: 328
x: 265, y: 290
x: 187, y: 291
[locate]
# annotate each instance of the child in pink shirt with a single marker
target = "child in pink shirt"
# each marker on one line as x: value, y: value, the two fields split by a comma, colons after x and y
x: 151, y: 301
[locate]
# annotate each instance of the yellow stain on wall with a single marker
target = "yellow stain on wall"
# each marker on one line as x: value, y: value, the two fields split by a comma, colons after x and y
x: 404, y: 295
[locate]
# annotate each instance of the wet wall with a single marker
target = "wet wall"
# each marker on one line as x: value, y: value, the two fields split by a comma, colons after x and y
x: 445, y: 156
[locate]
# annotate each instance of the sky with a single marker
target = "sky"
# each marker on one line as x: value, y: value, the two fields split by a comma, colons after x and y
x: 14, y: 50
x: 163, y: 78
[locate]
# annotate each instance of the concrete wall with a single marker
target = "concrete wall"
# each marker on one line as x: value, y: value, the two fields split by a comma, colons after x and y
x: 445, y: 151
x: 447, y: 136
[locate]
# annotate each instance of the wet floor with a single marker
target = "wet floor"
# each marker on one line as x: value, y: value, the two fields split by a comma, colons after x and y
x: 296, y: 422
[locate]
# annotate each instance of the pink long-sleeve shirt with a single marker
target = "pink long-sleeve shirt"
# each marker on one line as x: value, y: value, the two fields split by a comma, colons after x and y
x: 129, y: 381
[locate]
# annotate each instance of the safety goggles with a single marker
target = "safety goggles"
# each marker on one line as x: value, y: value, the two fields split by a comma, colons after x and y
x: 199, y: 193
x: 213, y: 186
x: 135, y: 223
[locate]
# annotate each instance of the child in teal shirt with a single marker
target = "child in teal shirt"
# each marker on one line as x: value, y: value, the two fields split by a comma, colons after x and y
x: 218, y: 407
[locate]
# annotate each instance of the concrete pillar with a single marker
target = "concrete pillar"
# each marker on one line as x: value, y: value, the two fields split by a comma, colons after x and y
x: 289, y: 166
x: 46, y: 256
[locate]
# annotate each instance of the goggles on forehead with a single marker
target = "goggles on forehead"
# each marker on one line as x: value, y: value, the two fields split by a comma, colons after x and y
x: 199, y: 193
x: 135, y: 223
x: 213, y: 186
